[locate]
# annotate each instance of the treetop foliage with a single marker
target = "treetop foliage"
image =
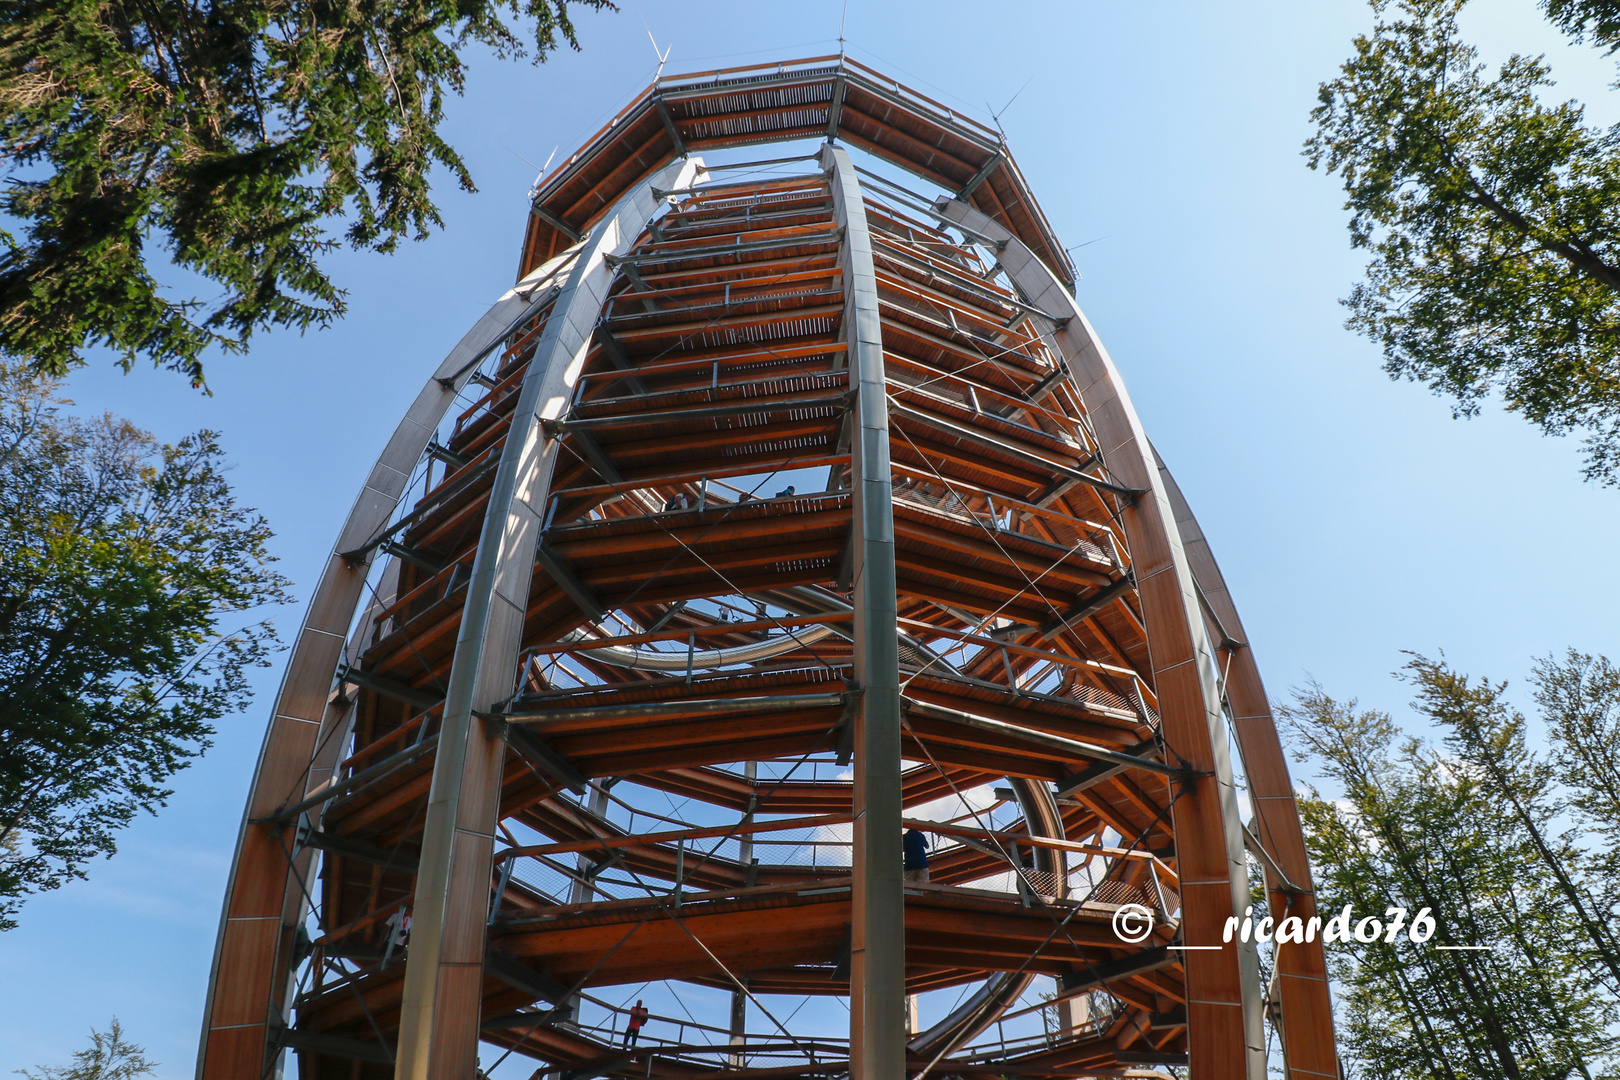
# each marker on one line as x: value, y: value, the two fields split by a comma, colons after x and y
x: 1597, y: 21
x: 1492, y: 218
x: 223, y: 136
x: 1498, y: 839
x: 120, y: 560
x: 108, y: 1057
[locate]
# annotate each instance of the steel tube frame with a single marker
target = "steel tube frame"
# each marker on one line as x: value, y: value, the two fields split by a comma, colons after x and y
x: 877, y: 994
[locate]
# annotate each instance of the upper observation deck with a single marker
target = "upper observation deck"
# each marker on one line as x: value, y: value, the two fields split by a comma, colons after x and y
x: 824, y: 97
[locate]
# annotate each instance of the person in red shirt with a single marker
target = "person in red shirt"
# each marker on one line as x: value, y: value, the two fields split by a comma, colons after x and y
x: 638, y: 1018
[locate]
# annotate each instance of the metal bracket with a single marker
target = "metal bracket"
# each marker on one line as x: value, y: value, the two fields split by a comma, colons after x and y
x: 421, y: 700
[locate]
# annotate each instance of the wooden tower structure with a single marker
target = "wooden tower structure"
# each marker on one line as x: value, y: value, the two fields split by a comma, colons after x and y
x: 777, y: 510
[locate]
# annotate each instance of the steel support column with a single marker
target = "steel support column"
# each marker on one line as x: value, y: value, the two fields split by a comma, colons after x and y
x: 877, y: 936
x: 1225, y: 1011
x: 745, y: 856
x: 439, y: 1015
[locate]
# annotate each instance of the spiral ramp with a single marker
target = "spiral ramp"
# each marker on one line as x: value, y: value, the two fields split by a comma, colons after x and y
x: 779, y: 509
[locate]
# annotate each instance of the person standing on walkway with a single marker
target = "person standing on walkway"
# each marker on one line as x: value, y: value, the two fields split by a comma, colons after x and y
x: 638, y: 1018
x: 914, y: 845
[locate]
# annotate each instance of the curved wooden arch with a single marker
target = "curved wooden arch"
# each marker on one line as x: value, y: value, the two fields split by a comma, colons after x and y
x: 446, y: 968
x: 1303, y: 992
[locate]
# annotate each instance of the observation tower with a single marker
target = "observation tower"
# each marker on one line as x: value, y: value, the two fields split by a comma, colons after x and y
x: 788, y: 503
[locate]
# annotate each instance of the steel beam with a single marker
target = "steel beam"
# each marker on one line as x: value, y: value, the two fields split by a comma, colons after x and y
x: 547, y: 760
x: 615, y: 355
x: 358, y: 780
x: 354, y: 849
x: 573, y: 234
x: 356, y: 556
x: 598, y: 458
x: 669, y: 126
x: 520, y: 976
x: 1074, y: 747
x: 1081, y: 612
x: 337, y: 1046
x: 411, y: 555
x: 981, y: 176
x: 877, y: 995
x: 1017, y: 453
x: 446, y: 455
x: 1075, y: 783
x: 421, y: 700
x: 557, y: 569
x: 444, y: 975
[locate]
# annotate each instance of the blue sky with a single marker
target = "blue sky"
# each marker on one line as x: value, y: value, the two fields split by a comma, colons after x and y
x: 1353, y: 517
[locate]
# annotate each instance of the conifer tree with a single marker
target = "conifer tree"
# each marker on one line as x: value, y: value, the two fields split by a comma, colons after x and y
x: 128, y: 574
x: 241, y: 140
x: 1507, y: 998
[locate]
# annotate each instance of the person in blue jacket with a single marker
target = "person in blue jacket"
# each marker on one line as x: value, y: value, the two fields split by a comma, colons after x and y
x: 915, y: 846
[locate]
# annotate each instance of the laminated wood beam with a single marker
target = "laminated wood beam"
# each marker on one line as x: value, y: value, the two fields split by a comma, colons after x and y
x: 1225, y: 1022
x: 877, y: 949
x: 638, y: 420
x: 1304, y: 993
x: 263, y: 904
x: 680, y: 707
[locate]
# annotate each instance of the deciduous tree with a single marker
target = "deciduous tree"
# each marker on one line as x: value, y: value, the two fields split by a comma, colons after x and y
x: 1413, y: 827
x: 127, y: 575
x: 1492, y: 216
